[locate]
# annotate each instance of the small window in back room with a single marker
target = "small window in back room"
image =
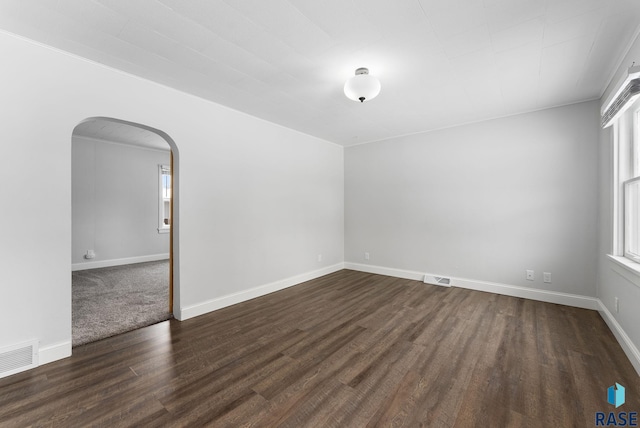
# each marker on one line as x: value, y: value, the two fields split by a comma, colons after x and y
x: 164, y: 199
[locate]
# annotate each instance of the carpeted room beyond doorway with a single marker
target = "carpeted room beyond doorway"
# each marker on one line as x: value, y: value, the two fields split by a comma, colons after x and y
x: 113, y: 300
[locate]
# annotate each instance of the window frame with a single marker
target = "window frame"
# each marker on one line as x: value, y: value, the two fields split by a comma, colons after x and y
x: 628, y: 228
x: 627, y: 173
x: 162, y: 227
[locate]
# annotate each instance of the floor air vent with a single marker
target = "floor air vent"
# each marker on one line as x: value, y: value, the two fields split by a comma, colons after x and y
x: 437, y: 280
x: 17, y: 358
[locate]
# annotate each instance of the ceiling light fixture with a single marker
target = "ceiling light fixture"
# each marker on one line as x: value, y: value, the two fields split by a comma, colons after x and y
x: 362, y: 87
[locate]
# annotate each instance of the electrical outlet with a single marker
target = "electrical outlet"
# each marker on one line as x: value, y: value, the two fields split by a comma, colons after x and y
x: 366, y: 256
x: 546, y: 277
x: 531, y: 276
x: 617, y: 304
x: 319, y: 257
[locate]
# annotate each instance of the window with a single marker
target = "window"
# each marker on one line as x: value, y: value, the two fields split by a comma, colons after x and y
x: 627, y: 137
x: 164, y: 199
x: 632, y: 219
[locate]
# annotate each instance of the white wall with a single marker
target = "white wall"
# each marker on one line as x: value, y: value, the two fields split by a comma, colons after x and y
x: 114, y: 196
x: 256, y: 202
x: 483, y: 202
x: 614, y: 281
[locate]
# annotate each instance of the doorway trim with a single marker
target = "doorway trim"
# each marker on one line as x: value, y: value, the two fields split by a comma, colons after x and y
x: 174, y: 232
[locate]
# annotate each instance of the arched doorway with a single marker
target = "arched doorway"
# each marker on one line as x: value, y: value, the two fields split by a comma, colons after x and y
x: 124, y: 227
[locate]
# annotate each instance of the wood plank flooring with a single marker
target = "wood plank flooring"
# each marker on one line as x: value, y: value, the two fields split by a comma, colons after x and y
x: 346, y: 350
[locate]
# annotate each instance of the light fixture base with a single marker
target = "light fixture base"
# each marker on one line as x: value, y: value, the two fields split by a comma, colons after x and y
x: 362, y: 70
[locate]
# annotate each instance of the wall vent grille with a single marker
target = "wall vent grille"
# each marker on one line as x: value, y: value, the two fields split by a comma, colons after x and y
x: 18, y: 358
x: 437, y: 280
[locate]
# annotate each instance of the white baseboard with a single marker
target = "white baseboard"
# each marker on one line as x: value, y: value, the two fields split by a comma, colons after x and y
x: 118, y: 262
x: 491, y: 287
x: 380, y: 270
x: 556, y: 297
x: 62, y: 350
x: 51, y: 353
x: 232, y: 299
x: 625, y: 342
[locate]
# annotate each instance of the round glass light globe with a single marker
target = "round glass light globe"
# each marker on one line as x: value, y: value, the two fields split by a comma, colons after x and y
x: 362, y: 87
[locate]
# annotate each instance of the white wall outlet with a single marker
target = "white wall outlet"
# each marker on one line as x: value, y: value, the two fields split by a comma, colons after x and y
x: 366, y: 256
x: 319, y: 257
x: 546, y: 277
x: 90, y: 255
x: 531, y: 276
x: 616, y: 302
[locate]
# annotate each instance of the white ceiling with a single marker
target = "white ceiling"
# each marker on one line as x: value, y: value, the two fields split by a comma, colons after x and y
x: 441, y: 62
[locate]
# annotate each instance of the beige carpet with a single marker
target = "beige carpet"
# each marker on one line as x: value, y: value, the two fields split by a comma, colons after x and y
x: 113, y: 300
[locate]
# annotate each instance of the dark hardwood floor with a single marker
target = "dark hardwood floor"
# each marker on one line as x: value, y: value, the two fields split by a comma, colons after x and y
x: 346, y: 350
